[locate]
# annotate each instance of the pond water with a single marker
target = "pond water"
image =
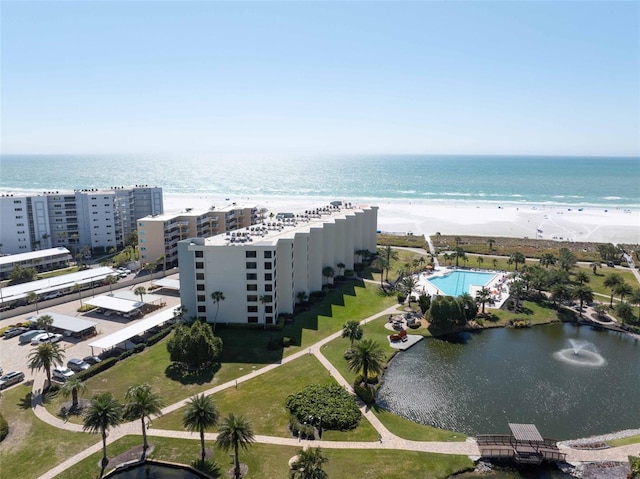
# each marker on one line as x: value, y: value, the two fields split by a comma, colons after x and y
x: 569, y: 381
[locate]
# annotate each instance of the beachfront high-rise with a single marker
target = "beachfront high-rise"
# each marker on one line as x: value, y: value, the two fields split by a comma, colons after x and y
x: 260, y: 270
x: 99, y: 219
x: 158, y: 235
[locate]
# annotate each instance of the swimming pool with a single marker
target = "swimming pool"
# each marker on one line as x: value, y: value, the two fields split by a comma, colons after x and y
x: 458, y: 282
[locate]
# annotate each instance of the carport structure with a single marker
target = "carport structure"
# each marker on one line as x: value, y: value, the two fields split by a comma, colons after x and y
x: 112, y: 303
x: 76, y: 326
x: 141, y: 326
x: 167, y: 283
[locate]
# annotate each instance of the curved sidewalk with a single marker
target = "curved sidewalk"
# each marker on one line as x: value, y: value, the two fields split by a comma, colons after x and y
x: 387, y: 440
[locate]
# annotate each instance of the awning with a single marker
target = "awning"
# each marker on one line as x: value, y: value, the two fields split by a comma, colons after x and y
x: 129, y: 332
x: 167, y: 283
x: 114, y: 304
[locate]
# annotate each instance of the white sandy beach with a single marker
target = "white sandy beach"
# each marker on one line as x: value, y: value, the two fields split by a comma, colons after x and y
x: 562, y: 223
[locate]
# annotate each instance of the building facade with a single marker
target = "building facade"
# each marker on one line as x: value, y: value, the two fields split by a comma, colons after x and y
x: 260, y: 270
x: 98, y: 219
x: 158, y: 235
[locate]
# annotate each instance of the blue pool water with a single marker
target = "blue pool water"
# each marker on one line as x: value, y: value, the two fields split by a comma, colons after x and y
x: 457, y: 282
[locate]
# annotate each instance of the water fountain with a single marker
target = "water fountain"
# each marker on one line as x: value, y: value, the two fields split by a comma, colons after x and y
x: 581, y: 353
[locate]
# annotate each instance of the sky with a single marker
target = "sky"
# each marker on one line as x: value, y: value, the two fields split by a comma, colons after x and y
x: 329, y: 77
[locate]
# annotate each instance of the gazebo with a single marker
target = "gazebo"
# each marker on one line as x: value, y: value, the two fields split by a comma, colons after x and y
x: 526, y: 441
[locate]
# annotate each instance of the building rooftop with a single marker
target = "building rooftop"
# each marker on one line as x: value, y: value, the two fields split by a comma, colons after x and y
x: 30, y: 256
x: 269, y: 232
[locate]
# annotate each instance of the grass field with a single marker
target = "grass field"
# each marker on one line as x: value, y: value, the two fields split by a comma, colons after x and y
x: 270, y: 461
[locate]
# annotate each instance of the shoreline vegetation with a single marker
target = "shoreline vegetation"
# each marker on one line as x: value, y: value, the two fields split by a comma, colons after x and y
x: 352, y: 299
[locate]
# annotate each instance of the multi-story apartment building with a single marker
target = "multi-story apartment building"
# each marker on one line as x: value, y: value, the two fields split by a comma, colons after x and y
x: 261, y: 269
x: 158, y: 235
x: 99, y: 219
x: 41, y: 260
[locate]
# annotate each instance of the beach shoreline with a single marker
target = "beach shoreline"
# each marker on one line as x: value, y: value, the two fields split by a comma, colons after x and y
x: 596, y: 224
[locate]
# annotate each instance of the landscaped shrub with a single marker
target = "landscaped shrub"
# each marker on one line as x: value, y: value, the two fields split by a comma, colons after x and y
x: 158, y: 336
x: 348, y: 273
x: 329, y: 403
x: 287, y: 341
x: 4, y: 428
x: 85, y: 308
x: 401, y: 297
x: 97, y: 368
x: 365, y: 393
x: 303, y: 431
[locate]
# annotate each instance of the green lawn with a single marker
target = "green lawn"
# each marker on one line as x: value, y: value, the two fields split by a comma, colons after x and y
x: 32, y: 446
x: 412, y: 431
x: 624, y: 441
x: 262, y: 399
x: 264, y: 460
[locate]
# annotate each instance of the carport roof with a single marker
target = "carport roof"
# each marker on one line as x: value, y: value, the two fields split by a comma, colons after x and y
x: 167, y: 283
x: 66, y: 323
x: 114, y: 304
x: 133, y: 330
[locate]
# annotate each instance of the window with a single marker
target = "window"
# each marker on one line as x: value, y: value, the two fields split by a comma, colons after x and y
x: 268, y: 287
x: 251, y: 265
x: 200, y: 276
x: 268, y: 298
x: 269, y: 319
x: 268, y: 277
x: 252, y: 298
x: 199, y: 265
x: 267, y: 254
x: 252, y: 287
x: 252, y: 319
x: 250, y: 254
x: 202, y: 309
x: 200, y: 287
x: 268, y: 309
x: 252, y: 276
x: 202, y: 298
x: 252, y: 309
x: 267, y: 265
x: 199, y: 254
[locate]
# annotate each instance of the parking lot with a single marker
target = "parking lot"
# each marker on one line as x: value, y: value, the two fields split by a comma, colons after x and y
x: 14, y: 356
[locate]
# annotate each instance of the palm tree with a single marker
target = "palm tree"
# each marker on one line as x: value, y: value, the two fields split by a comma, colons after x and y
x: 367, y: 357
x: 341, y: 266
x: 382, y: 264
x: 217, y: 296
x: 362, y: 253
x: 560, y: 292
x: 308, y: 464
x: 77, y: 289
x: 516, y: 257
x: 408, y: 285
x: 141, y: 404
x: 389, y: 255
x: 483, y: 296
x: 495, y: 262
x: 583, y: 294
x: 582, y: 277
x: 302, y: 296
x: 490, y: 242
x: 547, y: 259
x: 140, y: 291
x: 479, y: 260
x: 623, y: 289
x: 634, y: 298
x: 46, y: 356
x: 236, y: 432
x: 612, y: 281
x: 265, y: 299
x: 328, y: 272
x: 44, y: 322
x: 595, y: 265
x: 624, y: 312
x: 459, y: 253
x: 32, y: 297
x: 110, y: 280
x: 353, y: 331
x: 516, y: 288
x: 201, y: 414
x: 72, y: 387
x: 103, y: 412
x: 150, y: 268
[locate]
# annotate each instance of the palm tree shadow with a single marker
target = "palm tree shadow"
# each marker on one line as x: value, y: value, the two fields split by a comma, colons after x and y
x: 25, y: 402
x: 208, y: 467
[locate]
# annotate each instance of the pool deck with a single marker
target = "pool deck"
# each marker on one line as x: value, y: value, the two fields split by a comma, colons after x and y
x: 497, y: 284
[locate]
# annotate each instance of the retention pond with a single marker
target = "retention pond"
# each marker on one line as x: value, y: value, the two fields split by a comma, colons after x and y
x: 570, y: 381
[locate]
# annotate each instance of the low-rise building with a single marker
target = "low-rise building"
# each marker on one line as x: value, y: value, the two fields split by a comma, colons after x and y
x: 260, y: 270
x: 41, y: 260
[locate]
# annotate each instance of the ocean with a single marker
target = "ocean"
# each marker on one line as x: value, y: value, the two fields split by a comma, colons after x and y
x: 611, y: 182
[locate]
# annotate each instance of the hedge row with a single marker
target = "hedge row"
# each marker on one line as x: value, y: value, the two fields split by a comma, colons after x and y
x: 4, y: 428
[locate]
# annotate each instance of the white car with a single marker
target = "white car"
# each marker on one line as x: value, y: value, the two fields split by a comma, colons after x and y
x: 46, y: 338
x: 62, y: 374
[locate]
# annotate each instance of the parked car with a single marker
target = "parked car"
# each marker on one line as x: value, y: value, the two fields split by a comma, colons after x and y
x: 13, y: 332
x: 77, y: 365
x: 46, y: 338
x: 62, y: 374
x: 52, y: 295
x: 132, y: 314
x: 92, y: 360
x: 11, y: 378
x: 25, y: 338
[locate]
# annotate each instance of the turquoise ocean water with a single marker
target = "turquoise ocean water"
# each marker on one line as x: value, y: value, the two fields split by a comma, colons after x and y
x: 576, y: 181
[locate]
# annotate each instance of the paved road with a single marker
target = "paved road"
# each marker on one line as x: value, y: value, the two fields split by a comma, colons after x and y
x: 387, y: 439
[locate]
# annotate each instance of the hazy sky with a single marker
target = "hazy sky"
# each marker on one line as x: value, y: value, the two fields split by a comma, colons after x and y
x: 321, y: 77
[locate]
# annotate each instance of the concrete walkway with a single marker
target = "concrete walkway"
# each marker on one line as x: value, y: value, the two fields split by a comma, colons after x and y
x: 387, y: 440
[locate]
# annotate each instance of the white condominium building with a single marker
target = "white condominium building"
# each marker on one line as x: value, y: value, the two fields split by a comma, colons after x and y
x: 158, y: 235
x: 98, y: 219
x: 260, y: 270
